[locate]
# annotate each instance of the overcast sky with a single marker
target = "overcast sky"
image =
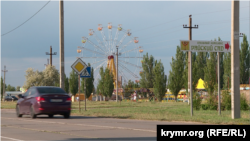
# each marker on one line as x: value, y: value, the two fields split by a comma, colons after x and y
x: 157, y: 24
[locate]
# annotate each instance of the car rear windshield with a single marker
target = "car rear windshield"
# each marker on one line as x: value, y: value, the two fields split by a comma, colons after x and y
x: 51, y: 91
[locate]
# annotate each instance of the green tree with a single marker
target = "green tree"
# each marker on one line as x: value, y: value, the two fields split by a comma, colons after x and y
x: 108, y: 83
x: 194, y: 71
x: 89, y: 84
x: 18, y: 88
x: 136, y: 85
x: 147, y: 75
x: 210, y: 82
x: 227, y: 70
x: 221, y: 68
x: 175, y: 74
x: 47, y: 77
x: 1, y: 88
x: 160, y: 80
x: 210, y: 73
x: 100, y: 86
x: 33, y: 78
x: 199, y: 64
x: 73, y: 82
x: 244, y: 61
x: 66, y: 84
x: 10, y: 88
x: 50, y: 76
x: 185, y: 72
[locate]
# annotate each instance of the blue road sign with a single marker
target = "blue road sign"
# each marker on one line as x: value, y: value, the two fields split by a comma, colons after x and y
x: 86, y: 73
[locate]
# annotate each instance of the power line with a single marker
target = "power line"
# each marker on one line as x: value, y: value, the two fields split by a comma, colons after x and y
x: 26, y: 20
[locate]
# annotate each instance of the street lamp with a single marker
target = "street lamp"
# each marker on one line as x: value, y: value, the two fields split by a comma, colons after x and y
x: 117, y: 73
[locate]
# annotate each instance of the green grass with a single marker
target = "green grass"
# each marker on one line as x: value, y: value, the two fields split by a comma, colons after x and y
x: 8, y: 105
x: 168, y: 111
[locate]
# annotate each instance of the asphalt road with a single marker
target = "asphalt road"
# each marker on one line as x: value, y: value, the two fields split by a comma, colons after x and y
x: 76, y: 128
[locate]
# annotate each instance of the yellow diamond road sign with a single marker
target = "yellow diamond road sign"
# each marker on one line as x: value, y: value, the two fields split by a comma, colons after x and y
x: 79, y: 66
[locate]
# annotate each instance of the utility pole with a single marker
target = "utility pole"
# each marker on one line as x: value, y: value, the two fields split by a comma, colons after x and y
x: 235, y: 68
x: 190, y: 63
x: 61, y: 32
x: 218, y: 76
x: 116, y: 73
x: 47, y: 63
x: 50, y: 53
x: 4, y: 80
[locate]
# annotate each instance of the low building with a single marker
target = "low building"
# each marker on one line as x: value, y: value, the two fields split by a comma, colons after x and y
x: 12, y: 93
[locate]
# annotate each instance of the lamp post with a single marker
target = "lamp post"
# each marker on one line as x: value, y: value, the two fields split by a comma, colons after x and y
x: 117, y: 73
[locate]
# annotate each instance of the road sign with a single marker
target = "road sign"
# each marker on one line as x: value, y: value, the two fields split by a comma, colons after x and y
x: 79, y: 66
x: 86, y: 73
x: 205, y: 46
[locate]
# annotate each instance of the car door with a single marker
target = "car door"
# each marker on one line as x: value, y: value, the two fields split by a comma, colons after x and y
x: 31, y: 98
x: 21, y: 103
x: 24, y: 104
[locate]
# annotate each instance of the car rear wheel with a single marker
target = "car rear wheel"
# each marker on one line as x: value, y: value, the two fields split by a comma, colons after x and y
x: 51, y: 115
x: 67, y: 115
x: 18, y: 111
x: 32, y: 112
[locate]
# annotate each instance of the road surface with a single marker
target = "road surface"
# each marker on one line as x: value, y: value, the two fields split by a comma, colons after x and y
x: 76, y: 128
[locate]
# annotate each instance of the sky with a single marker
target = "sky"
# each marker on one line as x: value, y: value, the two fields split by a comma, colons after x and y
x: 157, y: 24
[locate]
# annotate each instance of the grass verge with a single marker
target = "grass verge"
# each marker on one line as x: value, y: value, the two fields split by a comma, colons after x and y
x: 168, y: 111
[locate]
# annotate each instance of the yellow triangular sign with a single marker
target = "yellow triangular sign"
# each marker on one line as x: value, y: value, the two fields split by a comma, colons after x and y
x: 200, y: 84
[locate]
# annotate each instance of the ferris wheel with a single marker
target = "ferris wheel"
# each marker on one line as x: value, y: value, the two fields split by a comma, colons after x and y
x: 101, y: 48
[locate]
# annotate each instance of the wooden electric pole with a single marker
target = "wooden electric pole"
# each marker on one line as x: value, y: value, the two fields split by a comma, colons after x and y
x: 190, y: 64
x: 50, y: 53
x: 4, y: 80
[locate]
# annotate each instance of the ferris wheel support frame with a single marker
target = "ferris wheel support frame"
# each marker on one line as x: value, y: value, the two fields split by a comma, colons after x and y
x: 107, y: 47
x: 128, y: 71
x: 131, y: 64
x: 99, y: 41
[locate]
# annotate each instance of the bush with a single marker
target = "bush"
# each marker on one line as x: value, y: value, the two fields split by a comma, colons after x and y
x: 243, y: 103
x: 213, y: 107
x: 204, y: 106
x: 226, y: 100
x: 196, y: 101
x: 212, y: 102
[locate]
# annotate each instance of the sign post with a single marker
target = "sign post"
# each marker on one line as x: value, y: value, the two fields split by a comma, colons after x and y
x: 207, y: 46
x: 79, y: 66
x: 86, y: 74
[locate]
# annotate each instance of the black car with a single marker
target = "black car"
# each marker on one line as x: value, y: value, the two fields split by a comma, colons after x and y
x: 10, y: 98
x: 44, y: 100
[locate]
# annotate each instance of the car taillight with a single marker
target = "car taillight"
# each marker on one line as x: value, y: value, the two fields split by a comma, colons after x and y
x: 68, y: 99
x: 41, y: 109
x: 40, y: 99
